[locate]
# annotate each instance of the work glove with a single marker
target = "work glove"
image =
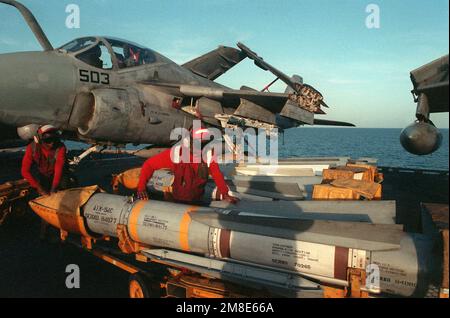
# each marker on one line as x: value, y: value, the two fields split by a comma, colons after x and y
x: 231, y: 199
x: 41, y: 190
x: 142, y: 195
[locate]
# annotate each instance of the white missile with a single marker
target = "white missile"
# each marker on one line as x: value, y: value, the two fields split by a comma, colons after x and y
x: 323, y: 250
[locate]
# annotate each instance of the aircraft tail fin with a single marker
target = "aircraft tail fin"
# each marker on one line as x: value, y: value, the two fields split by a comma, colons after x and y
x: 215, y: 63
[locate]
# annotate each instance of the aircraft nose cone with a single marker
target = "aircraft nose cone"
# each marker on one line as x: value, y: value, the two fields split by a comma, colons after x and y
x: 421, y: 138
x: 35, y: 87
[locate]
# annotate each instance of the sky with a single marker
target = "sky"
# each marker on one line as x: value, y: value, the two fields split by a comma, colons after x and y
x: 362, y: 72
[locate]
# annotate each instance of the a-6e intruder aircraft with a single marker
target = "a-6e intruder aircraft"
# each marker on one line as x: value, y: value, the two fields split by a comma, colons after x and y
x: 103, y: 90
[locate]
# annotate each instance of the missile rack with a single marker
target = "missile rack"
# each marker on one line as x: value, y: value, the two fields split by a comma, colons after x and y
x: 435, y: 222
x: 151, y: 278
x: 158, y: 279
x: 13, y: 197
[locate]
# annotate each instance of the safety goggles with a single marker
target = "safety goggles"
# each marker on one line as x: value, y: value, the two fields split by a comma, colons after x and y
x: 50, y: 140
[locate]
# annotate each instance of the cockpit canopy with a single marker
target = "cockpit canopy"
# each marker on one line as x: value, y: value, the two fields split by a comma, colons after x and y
x: 109, y: 53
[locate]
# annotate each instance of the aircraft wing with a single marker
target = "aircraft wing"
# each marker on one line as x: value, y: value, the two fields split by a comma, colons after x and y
x: 217, y: 104
x: 292, y: 82
x: 269, y: 101
x: 215, y: 63
x: 432, y: 80
x: 324, y: 122
x: 213, y: 103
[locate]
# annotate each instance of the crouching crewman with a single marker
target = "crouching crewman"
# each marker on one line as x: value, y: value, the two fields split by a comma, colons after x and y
x: 44, y: 161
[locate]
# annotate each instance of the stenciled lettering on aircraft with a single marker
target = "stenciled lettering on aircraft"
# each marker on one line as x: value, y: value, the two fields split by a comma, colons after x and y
x: 94, y: 77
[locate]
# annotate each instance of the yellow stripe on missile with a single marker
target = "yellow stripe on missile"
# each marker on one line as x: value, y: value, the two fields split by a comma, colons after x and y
x: 133, y: 220
x: 184, y: 228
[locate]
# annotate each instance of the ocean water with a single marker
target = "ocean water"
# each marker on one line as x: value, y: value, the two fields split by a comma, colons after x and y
x: 383, y: 144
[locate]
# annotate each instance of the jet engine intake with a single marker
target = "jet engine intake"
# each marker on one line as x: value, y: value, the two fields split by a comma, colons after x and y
x: 103, y: 114
x: 125, y: 116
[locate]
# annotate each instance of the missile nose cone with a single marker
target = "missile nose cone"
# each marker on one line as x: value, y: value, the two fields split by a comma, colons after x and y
x: 45, y: 208
x: 421, y: 138
x: 63, y: 209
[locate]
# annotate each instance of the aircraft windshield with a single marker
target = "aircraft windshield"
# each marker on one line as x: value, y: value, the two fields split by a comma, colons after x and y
x: 131, y: 55
x: 78, y: 44
x: 97, y: 56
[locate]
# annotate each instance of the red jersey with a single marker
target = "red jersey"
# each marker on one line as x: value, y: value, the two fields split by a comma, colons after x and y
x: 49, y: 162
x: 164, y: 161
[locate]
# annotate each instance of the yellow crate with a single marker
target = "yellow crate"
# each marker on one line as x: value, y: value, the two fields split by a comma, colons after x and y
x: 372, y: 175
x: 329, y: 192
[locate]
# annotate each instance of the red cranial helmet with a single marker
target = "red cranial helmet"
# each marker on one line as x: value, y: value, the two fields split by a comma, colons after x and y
x: 46, y: 131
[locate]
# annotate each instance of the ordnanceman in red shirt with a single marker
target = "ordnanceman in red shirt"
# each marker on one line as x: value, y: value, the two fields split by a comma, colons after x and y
x: 189, y: 178
x: 44, y: 160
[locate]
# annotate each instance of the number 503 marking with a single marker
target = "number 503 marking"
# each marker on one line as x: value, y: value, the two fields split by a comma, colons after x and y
x: 94, y: 77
